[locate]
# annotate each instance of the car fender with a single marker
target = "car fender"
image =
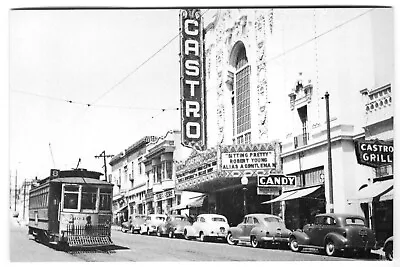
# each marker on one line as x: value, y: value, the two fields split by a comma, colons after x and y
x: 339, y: 240
x: 190, y: 230
x: 387, y: 242
x: 236, y: 232
x: 258, y: 232
x: 301, y: 237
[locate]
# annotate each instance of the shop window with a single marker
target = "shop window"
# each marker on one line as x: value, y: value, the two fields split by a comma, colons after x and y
x: 89, y: 197
x: 71, y: 193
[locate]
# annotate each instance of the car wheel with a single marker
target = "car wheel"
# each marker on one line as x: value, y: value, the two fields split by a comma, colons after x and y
x: 389, y: 252
x: 294, y: 245
x: 254, y: 242
x: 202, y: 237
x: 229, y: 239
x: 330, y: 248
x: 185, y: 234
x: 171, y: 234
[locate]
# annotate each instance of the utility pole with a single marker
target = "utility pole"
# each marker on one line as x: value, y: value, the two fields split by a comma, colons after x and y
x: 24, y: 200
x: 104, y: 156
x: 15, y: 191
x: 10, y: 190
x: 328, y: 132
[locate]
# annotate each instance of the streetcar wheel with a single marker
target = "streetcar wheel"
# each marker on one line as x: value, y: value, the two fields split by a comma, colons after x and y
x: 229, y: 239
x: 330, y: 248
x: 294, y: 245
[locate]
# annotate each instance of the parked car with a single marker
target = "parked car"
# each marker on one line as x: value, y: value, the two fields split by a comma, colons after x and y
x: 207, y: 226
x: 133, y: 224
x: 334, y: 233
x: 259, y: 229
x: 173, y: 226
x: 388, y: 248
x: 126, y: 226
x: 151, y: 223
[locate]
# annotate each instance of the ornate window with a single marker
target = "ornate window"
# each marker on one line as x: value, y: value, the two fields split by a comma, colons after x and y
x: 241, y: 102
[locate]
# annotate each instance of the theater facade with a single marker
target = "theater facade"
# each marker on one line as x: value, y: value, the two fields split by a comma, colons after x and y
x: 265, y: 74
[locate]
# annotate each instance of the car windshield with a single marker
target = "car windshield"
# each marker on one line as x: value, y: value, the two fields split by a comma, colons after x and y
x: 160, y: 218
x: 217, y: 219
x: 355, y: 221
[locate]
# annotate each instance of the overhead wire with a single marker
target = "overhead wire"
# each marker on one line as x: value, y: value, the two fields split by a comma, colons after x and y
x: 163, y: 47
x: 86, y: 104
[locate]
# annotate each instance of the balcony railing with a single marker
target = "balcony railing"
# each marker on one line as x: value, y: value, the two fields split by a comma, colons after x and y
x: 301, y: 140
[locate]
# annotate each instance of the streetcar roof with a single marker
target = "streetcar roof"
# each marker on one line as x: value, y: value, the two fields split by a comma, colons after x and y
x: 80, y: 180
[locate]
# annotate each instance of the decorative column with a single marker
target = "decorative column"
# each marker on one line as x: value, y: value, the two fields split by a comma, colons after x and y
x: 260, y: 35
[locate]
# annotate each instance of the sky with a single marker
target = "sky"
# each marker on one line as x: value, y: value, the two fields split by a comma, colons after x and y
x: 85, y: 81
x: 123, y: 63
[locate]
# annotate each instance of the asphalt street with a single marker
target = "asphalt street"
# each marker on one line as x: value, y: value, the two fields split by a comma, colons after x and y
x: 134, y: 247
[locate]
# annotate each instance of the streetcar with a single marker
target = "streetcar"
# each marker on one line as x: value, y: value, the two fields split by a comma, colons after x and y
x: 71, y: 208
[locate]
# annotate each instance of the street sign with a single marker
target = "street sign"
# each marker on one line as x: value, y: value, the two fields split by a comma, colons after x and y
x: 275, y: 180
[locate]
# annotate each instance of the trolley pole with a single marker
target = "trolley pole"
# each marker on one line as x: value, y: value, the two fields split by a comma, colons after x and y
x: 328, y: 132
x: 104, y: 156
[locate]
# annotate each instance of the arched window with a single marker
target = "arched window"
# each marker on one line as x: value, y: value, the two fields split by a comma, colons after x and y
x: 241, y: 100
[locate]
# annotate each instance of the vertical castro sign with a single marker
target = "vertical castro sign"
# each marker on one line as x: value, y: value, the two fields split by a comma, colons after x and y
x: 192, y: 79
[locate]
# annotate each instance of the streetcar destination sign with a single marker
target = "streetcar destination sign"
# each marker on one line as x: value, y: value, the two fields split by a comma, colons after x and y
x: 374, y: 153
x: 275, y: 180
x: 192, y: 79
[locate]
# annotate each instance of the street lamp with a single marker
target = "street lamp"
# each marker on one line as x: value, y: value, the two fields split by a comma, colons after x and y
x: 244, y: 181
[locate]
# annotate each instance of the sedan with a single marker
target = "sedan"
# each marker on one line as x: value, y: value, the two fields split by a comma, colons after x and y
x: 207, y: 226
x: 173, y: 226
x: 151, y: 223
x: 335, y: 233
x: 259, y: 229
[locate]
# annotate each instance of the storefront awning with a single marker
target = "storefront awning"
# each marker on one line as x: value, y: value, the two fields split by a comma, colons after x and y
x: 194, y: 203
x: 120, y: 209
x: 381, y: 190
x: 293, y: 194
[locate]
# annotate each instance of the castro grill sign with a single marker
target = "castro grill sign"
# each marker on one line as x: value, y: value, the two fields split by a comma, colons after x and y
x: 374, y: 153
x: 192, y: 79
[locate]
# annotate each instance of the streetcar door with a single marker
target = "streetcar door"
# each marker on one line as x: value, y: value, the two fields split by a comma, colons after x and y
x: 54, y: 205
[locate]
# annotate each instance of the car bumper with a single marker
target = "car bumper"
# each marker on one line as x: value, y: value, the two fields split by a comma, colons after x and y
x: 178, y: 232
x: 217, y: 235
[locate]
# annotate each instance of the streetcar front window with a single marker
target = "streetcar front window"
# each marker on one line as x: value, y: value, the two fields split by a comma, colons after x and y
x: 105, y: 199
x: 89, y: 196
x: 71, y: 193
